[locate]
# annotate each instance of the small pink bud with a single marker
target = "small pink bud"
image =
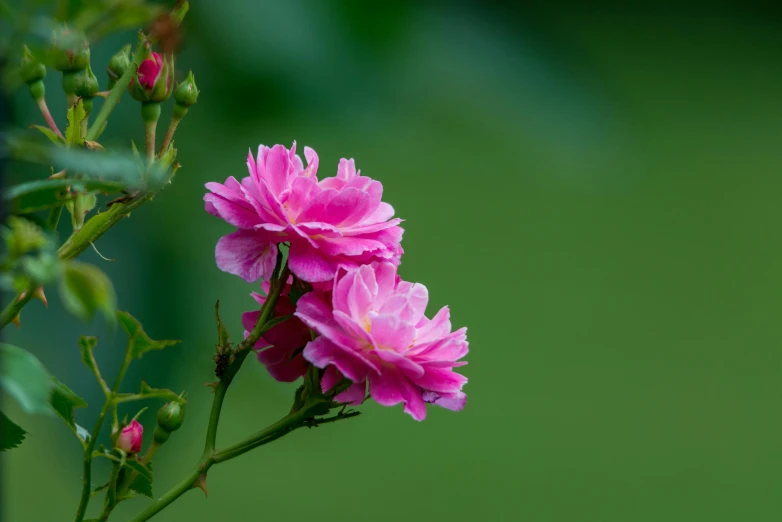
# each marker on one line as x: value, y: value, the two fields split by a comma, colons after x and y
x: 149, y: 70
x: 153, y: 81
x: 130, y: 439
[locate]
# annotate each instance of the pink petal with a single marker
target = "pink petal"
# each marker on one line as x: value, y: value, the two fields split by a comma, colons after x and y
x: 353, y: 395
x: 390, y: 332
x: 437, y: 328
x: 440, y: 380
x: 315, y: 312
x: 308, y: 264
x: 391, y: 388
x: 454, y: 401
x: 281, y: 364
x: 248, y: 254
x: 322, y: 352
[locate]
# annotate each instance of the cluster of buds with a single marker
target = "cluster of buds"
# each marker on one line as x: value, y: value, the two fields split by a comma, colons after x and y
x: 169, y: 419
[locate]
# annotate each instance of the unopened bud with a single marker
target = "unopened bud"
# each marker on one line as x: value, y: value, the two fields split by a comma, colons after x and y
x: 31, y: 70
x: 129, y: 439
x: 118, y: 65
x: 86, y: 84
x: 186, y: 93
x: 171, y: 416
x: 154, y: 80
x: 71, y: 50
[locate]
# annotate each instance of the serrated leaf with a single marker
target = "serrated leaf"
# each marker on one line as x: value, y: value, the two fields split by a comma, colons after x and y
x: 142, y: 483
x: 11, y: 434
x: 160, y: 393
x: 85, y: 289
x: 87, y: 344
x: 49, y: 133
x: 64, y: 401
x: 138, y: 341
x: 24, y: 378
x: 42, y: 194
x: 76, y: 114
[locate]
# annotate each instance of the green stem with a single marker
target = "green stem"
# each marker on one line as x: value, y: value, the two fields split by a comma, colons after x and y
x: 282, y: 427
x: 142, y: 50
x: 54, y: 218
x: 94, y: 228
x: 14, y: 307
x: 86, y: 479
x: 169, y: 135
x: 210, y: 456
x: 149, y: 135
x: 48, y: 116
x: 87, y: 472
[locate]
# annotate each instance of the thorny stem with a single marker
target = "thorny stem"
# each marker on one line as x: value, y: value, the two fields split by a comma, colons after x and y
x: 87, y: 472
x: 296, y: 419
x: 48, y: 116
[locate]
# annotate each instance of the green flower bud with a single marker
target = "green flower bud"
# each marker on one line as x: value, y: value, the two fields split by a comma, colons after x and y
x: 31, y: 70
x: 169, y: 419
x: 186, y: 93
x: 86, y: 84
x: 171, y: 416
x: 118, y: 65
x: 71, y: 50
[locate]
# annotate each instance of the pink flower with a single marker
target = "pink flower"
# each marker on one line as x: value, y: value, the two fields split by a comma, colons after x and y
x: 130, y: 438
x: 149, y: 70
x: 373, y: 328
x: 279, y: 349
x: 338, y: 221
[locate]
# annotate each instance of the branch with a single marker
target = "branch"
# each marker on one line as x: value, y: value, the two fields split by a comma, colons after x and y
x: 142, y: 50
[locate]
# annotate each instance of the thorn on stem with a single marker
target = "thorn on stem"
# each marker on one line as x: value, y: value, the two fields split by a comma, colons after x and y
x: 200, y: 483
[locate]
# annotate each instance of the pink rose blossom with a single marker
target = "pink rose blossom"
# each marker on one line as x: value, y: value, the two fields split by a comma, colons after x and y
x: 129, y: 439
x: 279, y: 349
x: 149, y: 70
x: 373, y: 328
x: 337, y: 221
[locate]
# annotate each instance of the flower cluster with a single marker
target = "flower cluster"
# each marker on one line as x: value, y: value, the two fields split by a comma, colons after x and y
x: 345, y: 244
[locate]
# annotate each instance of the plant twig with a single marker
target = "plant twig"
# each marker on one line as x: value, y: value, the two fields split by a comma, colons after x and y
x: 142, y: 50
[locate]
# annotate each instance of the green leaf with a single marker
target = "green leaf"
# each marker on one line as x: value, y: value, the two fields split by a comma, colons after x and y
x: 147, y: 392
x: 87, y: 344
x: 73, y: 135
x: 85, y: 289
x: 46, y: 193
x: 11, y: 434
x: 50, y: 134
x: 138, y: 341
x: 143, y: 482
x: 24, y: 378
x: 64, y: 401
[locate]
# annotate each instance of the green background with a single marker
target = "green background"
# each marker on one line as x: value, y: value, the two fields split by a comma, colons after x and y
x: 593, y: 189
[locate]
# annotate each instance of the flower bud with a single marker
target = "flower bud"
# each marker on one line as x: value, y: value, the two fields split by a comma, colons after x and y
x: 31, y: 70
x: 153, y: 81
x: 171, y: 416
x: 169, y: 419
x: 186, y: 93
x: 71, y: 50
x: 118, y: 65
x: 86, y: 84
x: 129, y: 439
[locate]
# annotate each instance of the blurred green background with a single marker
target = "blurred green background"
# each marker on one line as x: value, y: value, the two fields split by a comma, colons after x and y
x: 593, y: 189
